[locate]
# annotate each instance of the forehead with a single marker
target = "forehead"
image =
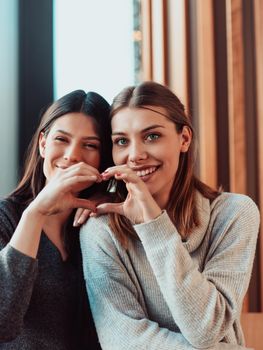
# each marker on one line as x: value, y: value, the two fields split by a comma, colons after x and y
x: 75, y: 121
x: 140, y: 118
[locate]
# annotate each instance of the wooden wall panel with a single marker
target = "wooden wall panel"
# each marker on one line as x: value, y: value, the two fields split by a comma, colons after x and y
x: 177, y: 49
x: 205, y: 109
x: 159, y: 41
x: 146, y: 25
x: 252, y: 324
x: 154, y: 44
x: 237, y: 137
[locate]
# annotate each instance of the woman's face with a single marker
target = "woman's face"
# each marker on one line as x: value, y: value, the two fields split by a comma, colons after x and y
x: 72, y: 138
x: 149, y: 144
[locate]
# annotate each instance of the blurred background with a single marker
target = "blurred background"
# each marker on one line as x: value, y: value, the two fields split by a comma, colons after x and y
x: 209, y: 52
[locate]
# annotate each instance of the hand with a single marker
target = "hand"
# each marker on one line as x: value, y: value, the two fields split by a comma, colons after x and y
x: 61, y: 191
x: 139, y: 205
x: 82, y: 215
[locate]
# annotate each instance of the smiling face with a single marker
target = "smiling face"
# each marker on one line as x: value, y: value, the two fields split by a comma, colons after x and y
x: 149, y: 143
x: 71, y: 139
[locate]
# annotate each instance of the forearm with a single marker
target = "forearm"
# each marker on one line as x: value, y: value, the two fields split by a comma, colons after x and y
x: 17, y: 277
x: 26, y: 237
x: 122, y: 324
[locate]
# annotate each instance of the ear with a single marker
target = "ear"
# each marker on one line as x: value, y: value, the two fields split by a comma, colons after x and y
x: 42, y: 144
x: 186, y: 138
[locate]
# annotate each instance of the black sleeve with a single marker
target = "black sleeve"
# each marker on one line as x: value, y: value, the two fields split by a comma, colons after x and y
x: 17, y: 275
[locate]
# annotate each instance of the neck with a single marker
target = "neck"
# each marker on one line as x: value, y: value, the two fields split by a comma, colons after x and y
x: 58, y: 220
x: 161, y: 200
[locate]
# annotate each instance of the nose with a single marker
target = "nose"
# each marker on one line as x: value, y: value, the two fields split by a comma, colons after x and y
x: 73, y: 153
x: 137, y: 152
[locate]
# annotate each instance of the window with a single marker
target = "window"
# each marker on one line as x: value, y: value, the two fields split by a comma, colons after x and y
x: 93, y: 46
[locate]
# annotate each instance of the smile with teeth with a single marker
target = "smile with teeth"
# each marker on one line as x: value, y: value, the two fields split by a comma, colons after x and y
x: 145, y: 172
x: 60, y: 166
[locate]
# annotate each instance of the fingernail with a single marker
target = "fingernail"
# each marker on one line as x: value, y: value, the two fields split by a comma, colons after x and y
x: 79, y: 222
x: 75, y: 223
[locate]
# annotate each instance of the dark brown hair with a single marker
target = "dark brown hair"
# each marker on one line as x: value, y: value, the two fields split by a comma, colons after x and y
x: 181, y: 207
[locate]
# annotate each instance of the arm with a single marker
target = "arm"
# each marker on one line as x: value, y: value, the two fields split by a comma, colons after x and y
x: 118, y: 309
x: 204, y: 304
x: 20, y: 237
x: 17, y: 275
x: 58, y: 196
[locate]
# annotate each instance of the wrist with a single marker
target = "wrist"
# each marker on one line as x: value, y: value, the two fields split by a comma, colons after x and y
x: 32, y: 212
x: 152, y: 215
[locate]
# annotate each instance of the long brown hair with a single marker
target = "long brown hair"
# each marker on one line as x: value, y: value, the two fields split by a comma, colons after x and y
x: 90, y: 104
x: 181, y: 207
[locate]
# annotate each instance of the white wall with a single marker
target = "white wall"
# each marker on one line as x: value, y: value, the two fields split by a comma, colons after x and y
x: 8, y: 95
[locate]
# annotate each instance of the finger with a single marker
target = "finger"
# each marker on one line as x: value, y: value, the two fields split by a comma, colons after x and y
x: 129, y: 177
x: 84, y: 216
x: 108, y: 208
x: 82, y: 169
x: 84, y: 203
x: 77, y: 182
x: 81, y: 216
x: 77, y: 216
x: 110, y: 172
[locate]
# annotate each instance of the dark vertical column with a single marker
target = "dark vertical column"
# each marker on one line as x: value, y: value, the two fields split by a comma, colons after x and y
x: 35, y: 66
x: 251, y: 136
x: 221, y: 94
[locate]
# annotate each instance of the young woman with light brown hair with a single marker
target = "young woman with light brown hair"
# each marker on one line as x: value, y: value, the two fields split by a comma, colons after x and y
x: 168, y: 268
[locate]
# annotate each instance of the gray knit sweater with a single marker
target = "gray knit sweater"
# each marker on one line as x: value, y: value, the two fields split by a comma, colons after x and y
x: 162, y: 293
x: 40, y: 299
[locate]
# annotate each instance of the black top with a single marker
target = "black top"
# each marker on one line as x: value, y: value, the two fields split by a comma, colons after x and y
x: 43, y: 302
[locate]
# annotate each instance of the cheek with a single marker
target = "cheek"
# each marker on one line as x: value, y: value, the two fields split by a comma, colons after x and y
x: 117, y: 156
x: 93, y: 159
x: 47, y: 171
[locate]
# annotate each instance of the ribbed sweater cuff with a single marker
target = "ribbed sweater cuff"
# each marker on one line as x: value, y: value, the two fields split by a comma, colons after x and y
x: 160, y: 228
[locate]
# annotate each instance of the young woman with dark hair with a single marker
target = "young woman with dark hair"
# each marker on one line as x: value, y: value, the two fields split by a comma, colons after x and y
x: 43, y: 302
x: 168, y: 268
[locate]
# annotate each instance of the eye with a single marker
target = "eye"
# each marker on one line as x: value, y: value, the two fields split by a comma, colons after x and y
x: 120, y: 141
x: 60, y: 139
x: 152, y: 137
x: 91, y: 146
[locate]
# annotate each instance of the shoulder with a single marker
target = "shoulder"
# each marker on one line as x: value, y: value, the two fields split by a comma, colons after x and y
x: 95, y: 225
x: 11, y: 205
x: 234, y: 219
x: 10, y: 210
x: 96, y: 232
x: 10, y: 213
x: 235, y: 205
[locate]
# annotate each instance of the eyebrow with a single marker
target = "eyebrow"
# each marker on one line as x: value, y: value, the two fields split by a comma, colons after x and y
x: 155, y: 126
x: 96, y: 138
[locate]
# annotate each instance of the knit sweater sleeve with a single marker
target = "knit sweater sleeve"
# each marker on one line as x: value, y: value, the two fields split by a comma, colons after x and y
x: 17, y: 276
x: 204, y: 304
x: 120, y: 315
